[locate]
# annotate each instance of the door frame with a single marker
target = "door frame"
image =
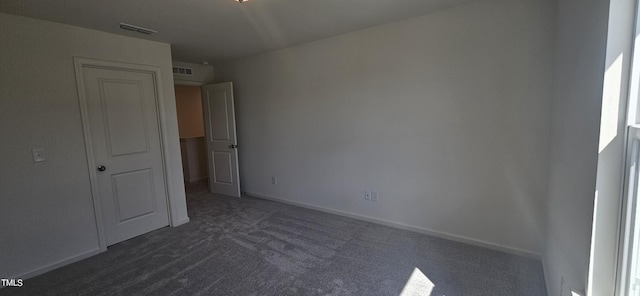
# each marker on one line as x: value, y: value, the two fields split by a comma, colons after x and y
x: 79, y: 64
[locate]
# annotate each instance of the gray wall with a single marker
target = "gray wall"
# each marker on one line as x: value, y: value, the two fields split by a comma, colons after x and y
x: 579, y: 66
x: 46, y: 212
x: 613, y: 122
x: 446, y: 115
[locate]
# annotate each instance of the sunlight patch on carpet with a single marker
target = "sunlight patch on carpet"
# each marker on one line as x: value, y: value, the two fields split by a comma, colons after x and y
x: 417, y: 285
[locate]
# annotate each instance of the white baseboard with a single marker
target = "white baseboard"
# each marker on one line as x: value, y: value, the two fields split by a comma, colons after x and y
x: 453, y: 237
x: 73, y: 259
x: 58, y: 264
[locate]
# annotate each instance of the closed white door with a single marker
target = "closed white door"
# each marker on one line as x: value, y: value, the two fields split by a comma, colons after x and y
x: 220, y: 129
x: 125, y: 138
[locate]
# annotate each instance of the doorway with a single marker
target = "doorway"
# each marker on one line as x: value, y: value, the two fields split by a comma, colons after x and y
x: 208, y: 140
x: 192, y: 140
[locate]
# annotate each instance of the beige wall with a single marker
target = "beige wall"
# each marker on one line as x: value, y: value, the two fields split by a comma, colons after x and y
x: 189, y: 109
x: 446, y: 115
x: 194, y: 159
x: 46, y: 211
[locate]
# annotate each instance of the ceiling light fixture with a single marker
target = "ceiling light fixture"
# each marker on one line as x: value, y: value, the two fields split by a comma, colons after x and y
x: 242, y: 1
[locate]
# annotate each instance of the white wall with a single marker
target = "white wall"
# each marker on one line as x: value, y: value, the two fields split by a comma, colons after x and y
x: 446, y: 115
x: 609, y: 177
x: 201, y: 74
x: 46, y: 211
x: 579, y: 67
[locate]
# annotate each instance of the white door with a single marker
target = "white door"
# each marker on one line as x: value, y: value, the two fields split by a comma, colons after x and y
x: 125, y: 140
x: 220, y: 128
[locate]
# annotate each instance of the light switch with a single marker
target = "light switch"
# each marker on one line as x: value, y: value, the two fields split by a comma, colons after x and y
x: 38, y: 154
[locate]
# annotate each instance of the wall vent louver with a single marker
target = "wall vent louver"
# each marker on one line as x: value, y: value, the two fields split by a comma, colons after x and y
x: 137, y: 29
x: 182, y: 71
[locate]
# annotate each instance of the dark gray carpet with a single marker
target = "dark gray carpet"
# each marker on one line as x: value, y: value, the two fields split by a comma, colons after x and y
x: 249, y: 246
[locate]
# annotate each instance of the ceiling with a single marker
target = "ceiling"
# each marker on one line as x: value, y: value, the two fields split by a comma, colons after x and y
x: 214, y: 30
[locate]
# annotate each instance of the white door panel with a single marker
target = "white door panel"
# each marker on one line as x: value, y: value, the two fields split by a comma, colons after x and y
x: 220, y: 127
x: 125, y: 137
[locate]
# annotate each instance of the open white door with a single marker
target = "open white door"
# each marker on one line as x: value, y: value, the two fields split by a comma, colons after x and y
x: 220, y: 135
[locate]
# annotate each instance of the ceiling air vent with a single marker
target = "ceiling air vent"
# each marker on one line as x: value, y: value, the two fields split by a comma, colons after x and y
x: 182, y: 71
x: 137, y: 29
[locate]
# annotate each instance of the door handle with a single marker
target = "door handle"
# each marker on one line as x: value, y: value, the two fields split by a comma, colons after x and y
x: 101, y: 168
x: 233, y: 146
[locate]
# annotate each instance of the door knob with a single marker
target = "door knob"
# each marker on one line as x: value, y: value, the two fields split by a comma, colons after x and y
x: 101, y: 168
x: 233, y: 146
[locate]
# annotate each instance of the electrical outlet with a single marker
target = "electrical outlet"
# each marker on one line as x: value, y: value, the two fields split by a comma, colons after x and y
x: 374, y: 195
x: 367, y: 195
x: 274, y: 180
